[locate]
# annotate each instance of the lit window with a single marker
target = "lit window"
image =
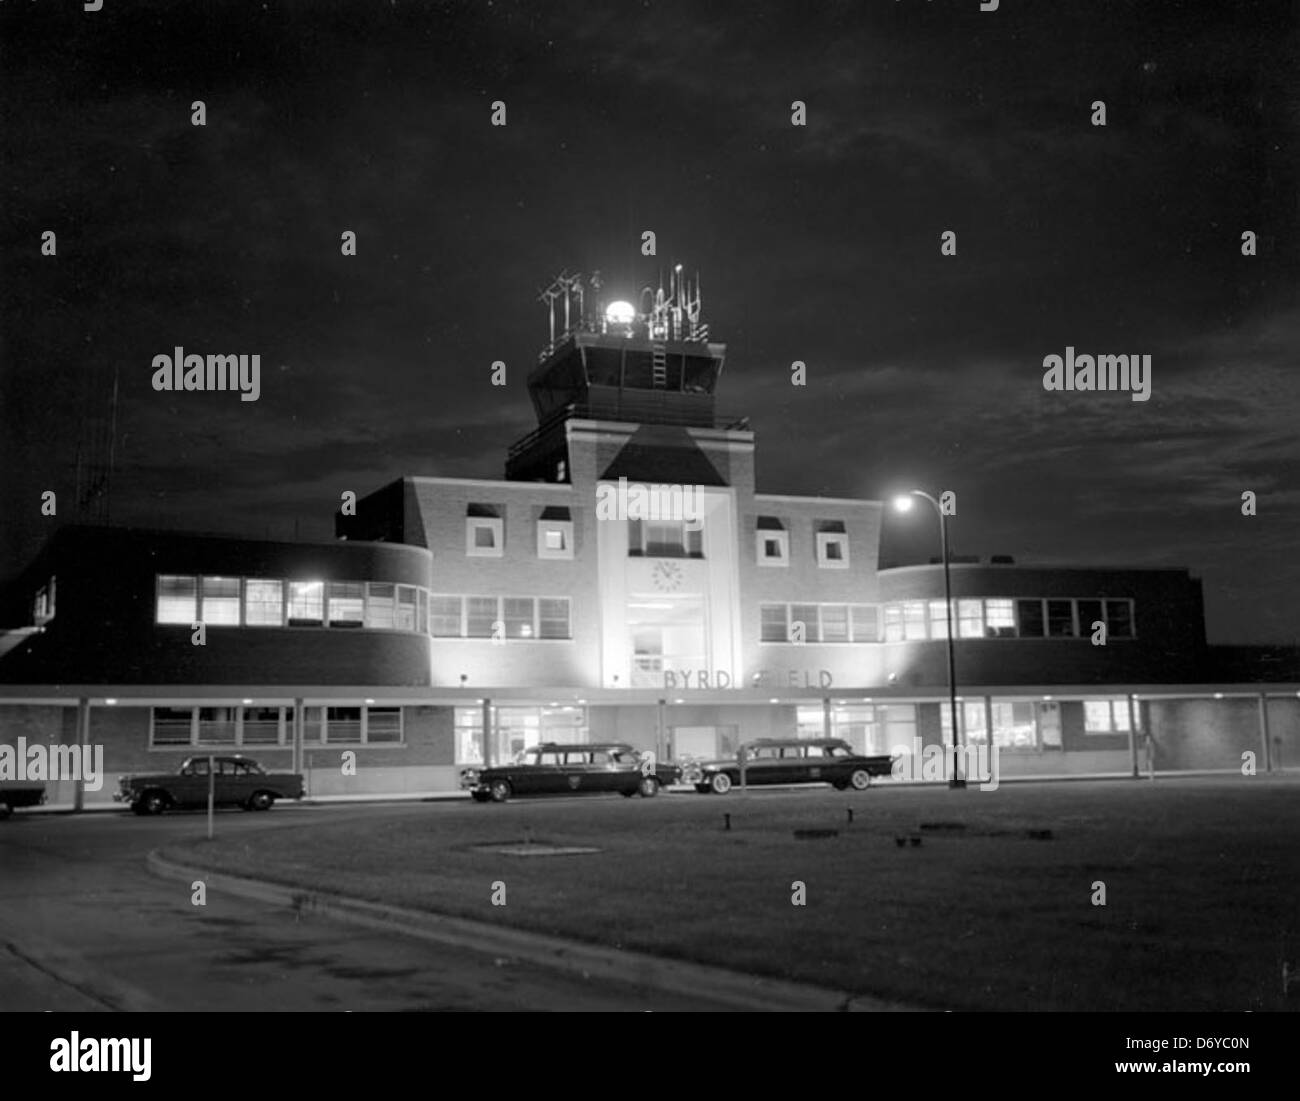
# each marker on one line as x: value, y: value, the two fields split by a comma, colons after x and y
x: 893, y: 623
x: 480, y: 614
x: 553, y: 617
x: 1106, y: 716
x: 835, y: 623
x: 43, y: 605
x: 217, y: 725
x: 306, y: 603
x: 343, y: 725
x: 938, y: 619
x: 221, y: 601
x: 383, y: 725
x: 914, y: 620
x: 517, y: 615
x: 864, y: 621
x: 807, y: 615
x: 406, y: 605
x: 172, y: 725
x: 261, y: 726
x: 444, y: 617
x: 1000, y: 618
x: 347, y: 603
x: 970, y: 619
x: 772, y: 623
x: 263, y: 603
x: 178, y: 599
x: 555, y: 533
x: 380, y: 604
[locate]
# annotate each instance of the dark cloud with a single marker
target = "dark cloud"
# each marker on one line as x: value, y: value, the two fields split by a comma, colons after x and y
x: 816, y: 243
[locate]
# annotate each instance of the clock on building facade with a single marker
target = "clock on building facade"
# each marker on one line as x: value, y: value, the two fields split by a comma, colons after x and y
x: 667, y: 575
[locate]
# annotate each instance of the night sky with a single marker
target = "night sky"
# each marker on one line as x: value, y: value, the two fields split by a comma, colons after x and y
x: 818, y: 243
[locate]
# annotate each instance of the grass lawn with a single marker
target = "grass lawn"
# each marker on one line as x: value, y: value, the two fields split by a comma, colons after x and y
x: 1202, y: 881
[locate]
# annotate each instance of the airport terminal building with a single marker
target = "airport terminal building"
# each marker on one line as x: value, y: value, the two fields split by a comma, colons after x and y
x: 625, y: 580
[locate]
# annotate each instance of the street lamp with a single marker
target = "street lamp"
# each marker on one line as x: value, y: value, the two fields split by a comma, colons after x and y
x: 903, y: 503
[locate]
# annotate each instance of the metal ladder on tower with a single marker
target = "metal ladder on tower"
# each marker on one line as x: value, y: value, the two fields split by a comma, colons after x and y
x: 659, y: 375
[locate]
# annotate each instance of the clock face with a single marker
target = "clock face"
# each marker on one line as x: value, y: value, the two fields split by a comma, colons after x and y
x: 666, y: 575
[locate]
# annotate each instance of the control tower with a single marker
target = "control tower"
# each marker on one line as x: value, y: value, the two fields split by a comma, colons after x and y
x: 648, y: 364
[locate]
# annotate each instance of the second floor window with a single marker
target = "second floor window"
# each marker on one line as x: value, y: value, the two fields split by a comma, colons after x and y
x: 664, y: 539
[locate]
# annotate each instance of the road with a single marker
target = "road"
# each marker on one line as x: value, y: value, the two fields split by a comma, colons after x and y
x: 84, y: 926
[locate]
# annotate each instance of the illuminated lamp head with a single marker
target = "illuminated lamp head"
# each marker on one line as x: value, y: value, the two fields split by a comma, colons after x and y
x: 620, y: 313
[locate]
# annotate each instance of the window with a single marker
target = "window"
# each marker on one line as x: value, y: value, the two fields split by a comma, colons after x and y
x: 999, y: 619
x: 221, y: 601
x: 835, y: 623
x: 914, y: 620
x: 807, y: 615
x: 406, y: 605
x: 261, y: 726
x: 864, y: 622
x: 383, y: 725
x: 343, y: 725
x: 553, y: 617
x: 663, y: 539
x: 43, y: 604
x: 1060, y: 618
x: 484, y: 535
x: 517, y: 615
x: 1119, y: 618
x: 347, y: 603
x: 480, y: 614
x: 422, y: 611
x: 893, y: 623
x: 306, y: 603
x: 773, y: 542
x: 1106, y: 716
x: 1029, y: 614
x: 263, y: 603
x: 444, y: 616
x: 381, y: 604
x: 970, y: 619
x: 217, y: 725
x: 833, y: 550
x: 178, y: 599
x: 772, y: 623
x: 1090, y: 612
x: 172, y: 726
x: 555, y: 533
x: 939, y: 618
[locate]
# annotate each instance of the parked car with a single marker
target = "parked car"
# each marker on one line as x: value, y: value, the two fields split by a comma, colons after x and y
x: 585, y: 769
x: 794, y: 761
x: 17, y: 794
x: 238, y: 781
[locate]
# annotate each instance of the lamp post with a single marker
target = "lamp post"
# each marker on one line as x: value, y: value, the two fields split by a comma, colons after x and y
x: 903, y: 503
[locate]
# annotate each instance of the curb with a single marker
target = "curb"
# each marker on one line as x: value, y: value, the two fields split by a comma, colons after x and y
x: 730, y: 989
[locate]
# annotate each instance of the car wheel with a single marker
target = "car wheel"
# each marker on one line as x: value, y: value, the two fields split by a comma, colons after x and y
x: 649, y: 787
x: 153, y: 802
x: 720, y: 783
x: 261, y: 800
x: 501, y: 791
x: 703, y: 789
x: 860, y: 779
